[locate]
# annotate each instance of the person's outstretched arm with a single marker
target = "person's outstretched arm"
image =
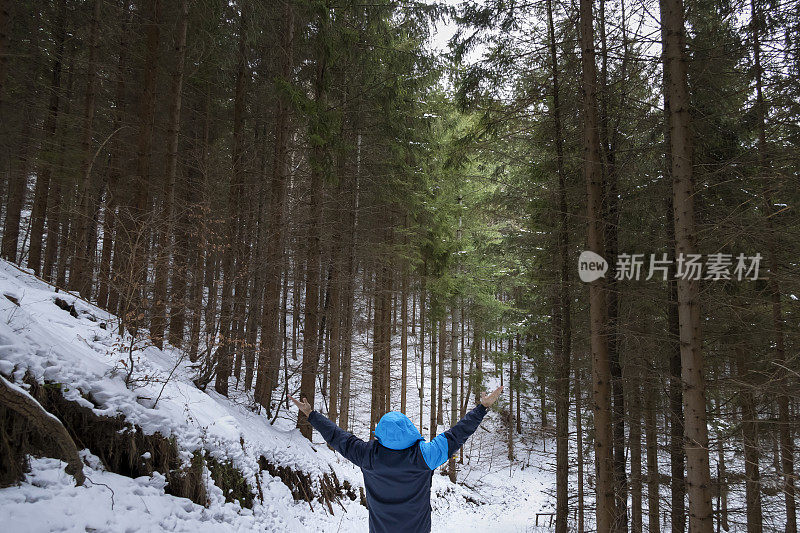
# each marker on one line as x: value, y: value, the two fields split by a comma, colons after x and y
x: 351, y: 447
x: 437, y: 451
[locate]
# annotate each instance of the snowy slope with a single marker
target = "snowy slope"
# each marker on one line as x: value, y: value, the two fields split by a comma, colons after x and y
x: 86, y: 355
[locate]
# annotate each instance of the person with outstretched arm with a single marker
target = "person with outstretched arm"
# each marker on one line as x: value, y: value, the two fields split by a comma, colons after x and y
x: 398, y: 464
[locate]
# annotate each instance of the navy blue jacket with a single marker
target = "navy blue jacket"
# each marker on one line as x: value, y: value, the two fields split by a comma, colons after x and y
x: 398, y: 466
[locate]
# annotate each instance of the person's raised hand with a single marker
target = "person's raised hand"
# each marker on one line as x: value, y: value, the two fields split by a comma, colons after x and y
x: 488, y: 399
x: 304, y: 406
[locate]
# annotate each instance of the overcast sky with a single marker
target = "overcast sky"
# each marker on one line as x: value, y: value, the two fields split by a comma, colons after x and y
x: 444, y: 29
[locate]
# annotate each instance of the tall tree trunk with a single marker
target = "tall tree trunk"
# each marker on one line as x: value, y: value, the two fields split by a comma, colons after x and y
x: 518, y: 386
x: 651, y: 445
x: 413, y: 313
x: 511, y: 399
x: 269, y: 352
x: 39, y: 208
x: 786, y: 442
x: 440, y: 365
x: 14, y: 202
x: 579, y: 445
x: 454, y: 403
x: 79, y: 277
x: 376, y: 408
x: 5, y: 30
x: 561, y: 309
x: 722, y: 482
x: 477, y: 354
x: 163, y: 257
x: 20, y: 166
x: 381, y: 337
x: 111, y: 256
x: 344, y: 412
x: 601, y: 371
x: 635, y: 443
x: 313, y: 257
x: 752, y: 454
x: 335, y: 321
x: 611, y: 219
x: 422, y: 299
x: 403, y: 337
x: 199, y: 241
x: 434, y: 341
x: 136, y: 233
x: 55, y: 199
x: 296, y: 284
x: 244, y: 279
x: 386, y: 356
x: 196, y: 296
x: 210, y: 241
x: 677, y: 455
x: 462, y: 396
x: 561, y: 304
x: 106, y: 290
x: 698, y: 479
x: 312, y: 307
x: 232, y: 257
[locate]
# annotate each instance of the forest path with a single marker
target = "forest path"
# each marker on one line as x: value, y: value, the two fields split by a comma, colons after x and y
x: 513, y: 499
x: 512, y: 493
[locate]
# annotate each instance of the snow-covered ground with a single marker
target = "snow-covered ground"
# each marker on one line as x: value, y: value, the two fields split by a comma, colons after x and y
x: 87, y: 356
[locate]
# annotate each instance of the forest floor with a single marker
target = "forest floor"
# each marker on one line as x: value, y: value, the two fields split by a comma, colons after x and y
x: 79, y: 348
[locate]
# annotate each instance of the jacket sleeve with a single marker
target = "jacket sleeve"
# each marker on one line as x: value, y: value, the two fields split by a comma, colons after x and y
x: 437, y: 451
x: 351, y: 447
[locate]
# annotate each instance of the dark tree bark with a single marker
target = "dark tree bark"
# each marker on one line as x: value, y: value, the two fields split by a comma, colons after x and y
x: 335, y: 344
x: 434, y: 342
x: 403, y: 337
x: 55, y: 213
x: 314, y: 252
x: 134, y: 267
x: 510, y: 388
x: 107, y: 291
x: 269, y: 352
x: 651, y: 445
x: 698, y: 479
x: 454, y: 402
x: 477, y: 354
x: 579, y: 446
x: 163, y: 256
x: 601, y: 371
x: 677, y: 456
x: 39, y: 208
x: 635, y: 443
x: 750, y: 440
x: 422, y: 301
x: 19, y: 168
x: 113, y: 254
x: 440, y: 366
x: 561, y: 304
x: 80, y: 278
x: 786, y: 441
x: 233, y: 255
x: 4, y: 39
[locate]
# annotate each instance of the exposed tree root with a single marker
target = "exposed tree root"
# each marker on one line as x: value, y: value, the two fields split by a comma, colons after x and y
x: 125, y: 449
x: 24, y: 405
x: 326, y: 489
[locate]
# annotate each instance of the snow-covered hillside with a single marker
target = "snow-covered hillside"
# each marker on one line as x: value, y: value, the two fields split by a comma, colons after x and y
x: 60, y: 339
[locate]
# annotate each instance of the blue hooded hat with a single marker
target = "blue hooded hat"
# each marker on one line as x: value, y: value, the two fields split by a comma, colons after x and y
x: 396, y: 431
